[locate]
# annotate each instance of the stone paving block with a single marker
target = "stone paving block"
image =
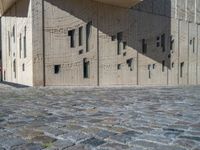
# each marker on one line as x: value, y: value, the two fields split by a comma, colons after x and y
x: 105, y: 134
x: 74, y: 136
x: 63, y: 144
x: 29, y: 146
x: 93, y: 142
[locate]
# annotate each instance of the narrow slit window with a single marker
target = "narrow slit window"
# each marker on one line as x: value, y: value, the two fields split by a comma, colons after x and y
x: 181, y: 69
x: 193, y: 45
x: 119, y: 42
x: 25, y: 45
x: 13, y: 33
x: 71, y: 34
x: 163, y: 66
x: 80, y: 36
x: 88, y: 35
x: 86, y: 68
x: 144, y: 46
x: 23, y: 67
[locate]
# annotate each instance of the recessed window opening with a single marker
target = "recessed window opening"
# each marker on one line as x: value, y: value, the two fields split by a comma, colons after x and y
x: 57, y: 69
x: 181, y: 69
x: 80, y: 36
x: 86, y: 68
x: 88, y: 35
x: 144, y: 46
x: 71, y: 34
x: 119, y: 42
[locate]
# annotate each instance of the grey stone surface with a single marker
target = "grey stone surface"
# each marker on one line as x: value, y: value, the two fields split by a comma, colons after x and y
x: 132, y: 118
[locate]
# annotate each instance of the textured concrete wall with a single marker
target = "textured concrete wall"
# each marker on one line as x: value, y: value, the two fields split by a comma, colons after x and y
x: 19, y: 19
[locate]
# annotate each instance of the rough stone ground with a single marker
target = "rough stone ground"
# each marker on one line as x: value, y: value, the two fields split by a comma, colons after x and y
x: 133, y: 118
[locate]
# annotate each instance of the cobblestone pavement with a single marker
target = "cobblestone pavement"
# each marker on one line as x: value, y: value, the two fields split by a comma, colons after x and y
x: 132, y: 118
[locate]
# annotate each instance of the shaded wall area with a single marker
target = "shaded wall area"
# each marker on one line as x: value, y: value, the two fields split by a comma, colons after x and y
x: 127, y: 46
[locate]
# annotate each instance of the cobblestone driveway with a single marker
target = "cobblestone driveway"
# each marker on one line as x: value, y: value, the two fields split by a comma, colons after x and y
x: 133, y: 118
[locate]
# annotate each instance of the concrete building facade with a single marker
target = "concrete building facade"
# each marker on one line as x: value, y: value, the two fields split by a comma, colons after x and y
x: 92, y: 43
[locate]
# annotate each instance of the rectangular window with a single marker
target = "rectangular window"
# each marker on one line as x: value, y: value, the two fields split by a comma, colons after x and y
x: 57, y: 69
x: 124, y: 45
x: 118, y: 66
x: 23, y: 67
x: 181, y: 69
x: 130, y: 63
x: 163, y: 42
x: 20, y: 46
x: 144, y: 46
x: 119, y: 42
x: 171, y: 43
x: 193, y: 45
x: 86, y: 68
x: 13, y: 33
x: 88, y: 35
x: 149, y: 68
x: 71, y: 34
x: 163, y: 66
x: 25, y: 42
x: 80, y: 31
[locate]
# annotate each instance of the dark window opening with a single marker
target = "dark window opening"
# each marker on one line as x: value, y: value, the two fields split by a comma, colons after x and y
x: 80, y: 52
x: 124, y: 45
x: 144, y: 46
x: 57, y: 69
x: 80, y: 36
x: 25, y: 42
x: 88, y: 35
x: 158, y: 44
x: 23, y: 67
x: 119, y: 42
x: 130, y: 63
x: 86, y: 68
x: 163, y: 66
x: 71, y: 34
x: 113, y: 38
x: 149, y: 69
x: 172, y: 64
x: 13, y: 33
x: 154, y: 66
x: 163, y: 42
x: 118, y: 66
x: 14, y: 68
x: 124, y: 54
x: 181, y: 69
x: 193, y: 45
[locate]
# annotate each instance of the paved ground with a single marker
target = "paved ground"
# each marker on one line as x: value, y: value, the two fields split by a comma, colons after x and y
x: 149, y: 118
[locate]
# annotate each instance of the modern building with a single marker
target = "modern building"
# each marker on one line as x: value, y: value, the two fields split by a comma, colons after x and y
x: 101, y: 42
